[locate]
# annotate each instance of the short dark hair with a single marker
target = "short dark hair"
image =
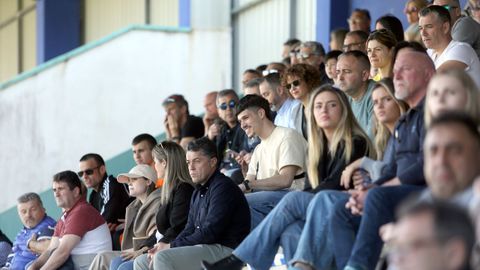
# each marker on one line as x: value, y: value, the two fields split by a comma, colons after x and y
x: 365, y: 12
x: 70, y: 178
x: 205, y: 145
x: 332, y: 55
x: 227, y: 92
x: 291, y: 41
x: 254, y: 101
x: 449, y: 221
x: 30, y: 196
x: 359, y: 33
x: 457, y: 118
x: 253, y: 83
x: 98, y: 159
x: 441, y: 12
x: 360, y: 56
x: 273, y: 80
x: 145, y: 137
x: 393, y: 24
x: 261, y: 68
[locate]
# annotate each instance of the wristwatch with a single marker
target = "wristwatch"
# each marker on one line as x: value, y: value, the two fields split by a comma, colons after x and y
x: 246, y: 184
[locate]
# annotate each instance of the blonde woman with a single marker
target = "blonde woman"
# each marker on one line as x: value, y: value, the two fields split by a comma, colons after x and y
x: 452, y: 90
x: 177, y: 189
x: 335, y: 139
x: 387, y: 110
x: 380, y: 46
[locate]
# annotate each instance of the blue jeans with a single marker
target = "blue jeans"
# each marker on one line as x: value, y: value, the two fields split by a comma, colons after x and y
x: 119, y: 264
x: 261, y: 203
x: 282, y: 226
x: 315, y: 247
x: 356, y: 240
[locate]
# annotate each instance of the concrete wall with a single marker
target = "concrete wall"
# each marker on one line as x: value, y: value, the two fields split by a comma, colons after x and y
x: 97, y: 100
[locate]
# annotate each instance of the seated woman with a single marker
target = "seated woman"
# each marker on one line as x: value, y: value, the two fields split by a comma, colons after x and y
x: 172, y: 214
x: 139, y: 215
x: 452, y: 90
x: 300, y: 80
x: 387, y: 109
x: 380, y: 46
x: 337, y: 139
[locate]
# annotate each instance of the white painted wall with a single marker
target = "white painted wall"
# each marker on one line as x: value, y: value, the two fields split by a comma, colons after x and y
x: 99, y: 100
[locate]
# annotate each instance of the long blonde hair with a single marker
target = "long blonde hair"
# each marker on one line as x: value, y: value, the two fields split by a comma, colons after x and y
x: 382, y: 134
x: 176, y: 170
x: 346, y: 129
x: 472, y: 108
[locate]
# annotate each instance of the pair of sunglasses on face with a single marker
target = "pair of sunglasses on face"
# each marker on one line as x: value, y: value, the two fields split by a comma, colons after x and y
x: 87, y: 172
x: 293, y: 84
x: 231, y: 104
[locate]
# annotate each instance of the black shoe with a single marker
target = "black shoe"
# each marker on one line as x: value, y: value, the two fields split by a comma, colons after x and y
x: 228, y: 263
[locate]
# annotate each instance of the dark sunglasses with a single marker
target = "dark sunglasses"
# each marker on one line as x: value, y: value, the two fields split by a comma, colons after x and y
x: 295, y: 83
x: 87, y: 172
x: 231, y: 104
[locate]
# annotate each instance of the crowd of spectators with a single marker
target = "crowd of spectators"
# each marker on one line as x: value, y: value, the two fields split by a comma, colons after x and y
x: 363, y: 157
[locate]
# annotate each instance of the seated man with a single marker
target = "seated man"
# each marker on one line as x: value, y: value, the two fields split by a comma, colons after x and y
x: 218, y: 219
x: 5, y: 248
x: 109, y: 197
x: 432, y: 236
x: 289, y: 111
x: 180, y: 126
x: 228, y: 135
x: 80, y: 233
x: 278, y: 162
x: 142, y: 146
x: 35, y: 236
x: 211, y: 112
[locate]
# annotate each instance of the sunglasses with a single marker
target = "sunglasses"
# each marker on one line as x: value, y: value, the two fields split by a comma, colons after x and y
x: 231, y: 104
x: 449, y: 7
x: 87, y: 172
x: 269, y: 71
x: 295, y: 83
x: 305, y: 55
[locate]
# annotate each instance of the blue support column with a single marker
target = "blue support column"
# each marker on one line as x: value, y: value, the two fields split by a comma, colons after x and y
x: 58, y: 28
x: 331, y: 14
x: 184, y: 13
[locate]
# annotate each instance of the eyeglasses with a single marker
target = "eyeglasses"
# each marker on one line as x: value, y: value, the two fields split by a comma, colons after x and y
x: 410, y: 11
x: 293, y: 53
x: 348, y: 47
x: 295, y: 83
x: 231, y: 104
x: 449, y: 7
x: 475, y: 8
x: 88, y: 172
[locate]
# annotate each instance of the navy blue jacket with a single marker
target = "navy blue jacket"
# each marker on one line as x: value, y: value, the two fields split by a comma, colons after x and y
x: 408, y: 147
x: 219, y: 214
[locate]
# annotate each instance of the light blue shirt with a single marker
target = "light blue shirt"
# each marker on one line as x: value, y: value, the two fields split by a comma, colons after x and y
x: 288, y: 114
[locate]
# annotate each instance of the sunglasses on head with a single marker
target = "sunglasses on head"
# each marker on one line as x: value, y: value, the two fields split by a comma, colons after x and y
x: 231, y: 104
x: 295, y: 83
x: 448, y: 7
x: 87, y: 172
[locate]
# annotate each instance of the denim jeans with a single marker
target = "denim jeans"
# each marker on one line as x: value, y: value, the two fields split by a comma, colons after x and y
x: 315, y: 247
x: 120, y: 264
x: 261, y: 203
x: 282, y: 226
x: 356, y: 240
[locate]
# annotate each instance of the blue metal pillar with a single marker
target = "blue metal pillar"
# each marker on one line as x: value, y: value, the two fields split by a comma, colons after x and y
x: 58, y: 28
x: 331, y: 14
x: 184, y: 13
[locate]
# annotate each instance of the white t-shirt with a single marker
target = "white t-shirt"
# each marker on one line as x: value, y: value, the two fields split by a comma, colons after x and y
x: 282, y: 148
x: 462, y: 52
x: 289, y: 115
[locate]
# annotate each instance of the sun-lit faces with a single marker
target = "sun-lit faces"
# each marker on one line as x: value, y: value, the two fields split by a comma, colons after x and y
x: 385, y: 108
x: 30, y: 213
x: 327, y: 110
x: 445, y: 93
